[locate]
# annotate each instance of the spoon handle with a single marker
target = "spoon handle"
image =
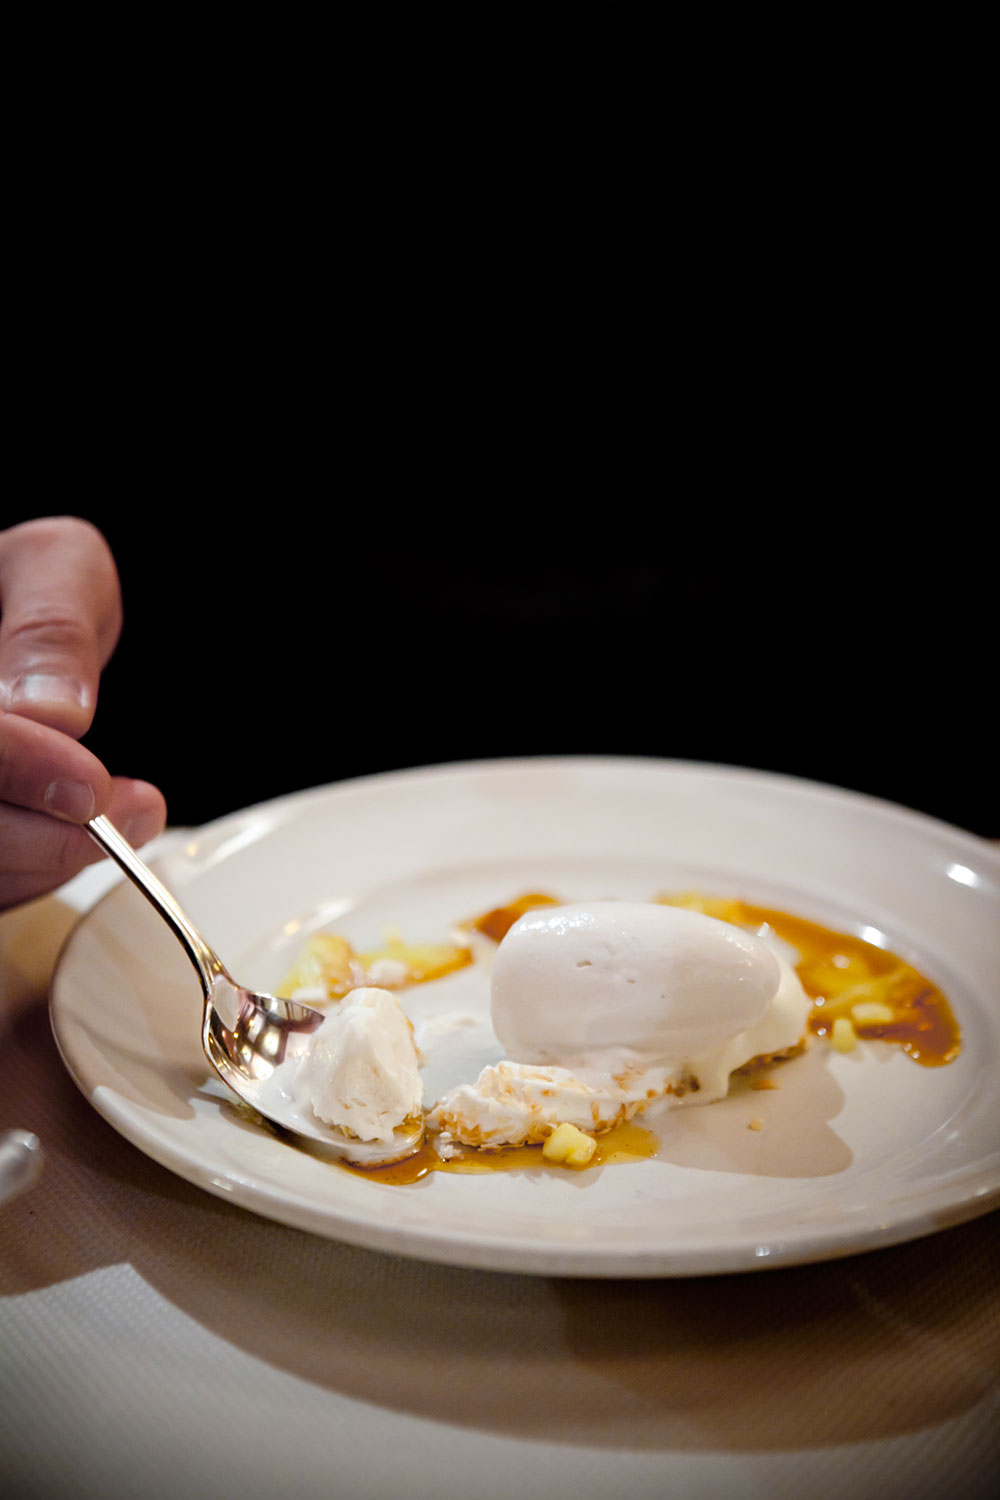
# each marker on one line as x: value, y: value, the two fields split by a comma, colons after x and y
x: 111, y: 841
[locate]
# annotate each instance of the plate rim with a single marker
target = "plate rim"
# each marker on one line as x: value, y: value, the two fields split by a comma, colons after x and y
x: 791, y: 781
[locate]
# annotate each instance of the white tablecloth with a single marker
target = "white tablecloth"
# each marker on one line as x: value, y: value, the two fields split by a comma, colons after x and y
x: 156, y: 1341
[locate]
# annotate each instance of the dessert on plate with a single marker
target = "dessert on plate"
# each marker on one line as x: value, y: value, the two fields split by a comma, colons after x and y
x: 601, y: 1009
x: 604, y: 1007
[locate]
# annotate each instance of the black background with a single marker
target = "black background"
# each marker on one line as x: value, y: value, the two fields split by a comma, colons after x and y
x: 310, y: 634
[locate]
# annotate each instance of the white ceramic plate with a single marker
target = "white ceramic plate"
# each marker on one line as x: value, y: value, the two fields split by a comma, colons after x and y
x: 857, y: 1151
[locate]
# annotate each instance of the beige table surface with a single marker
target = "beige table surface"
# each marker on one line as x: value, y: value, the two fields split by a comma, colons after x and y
x: 156, y: 1341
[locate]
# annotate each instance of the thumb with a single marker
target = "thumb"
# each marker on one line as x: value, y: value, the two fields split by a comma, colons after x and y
x: 60, y: 614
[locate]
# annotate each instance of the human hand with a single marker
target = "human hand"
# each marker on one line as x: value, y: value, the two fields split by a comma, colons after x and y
x: 60, y: 617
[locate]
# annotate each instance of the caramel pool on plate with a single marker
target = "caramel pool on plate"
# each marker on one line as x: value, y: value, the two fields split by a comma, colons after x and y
x: 623, y: 1143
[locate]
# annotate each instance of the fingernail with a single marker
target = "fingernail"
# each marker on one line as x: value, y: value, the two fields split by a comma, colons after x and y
x: 70, y: 799
x: 48, y: 687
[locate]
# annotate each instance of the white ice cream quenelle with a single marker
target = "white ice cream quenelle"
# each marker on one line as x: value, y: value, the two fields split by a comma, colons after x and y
x: 605, y: 1006
x: 362, y: 1074
x: 648, y: 980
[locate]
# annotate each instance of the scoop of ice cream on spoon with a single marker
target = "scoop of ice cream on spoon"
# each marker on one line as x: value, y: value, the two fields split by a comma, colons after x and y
x: 261, y: 1046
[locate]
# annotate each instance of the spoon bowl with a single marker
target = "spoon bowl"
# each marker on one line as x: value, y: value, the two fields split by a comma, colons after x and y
x: 255, y: 1042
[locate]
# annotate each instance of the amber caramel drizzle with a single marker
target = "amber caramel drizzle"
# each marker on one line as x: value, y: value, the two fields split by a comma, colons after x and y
x: 623, y: 1143
x: 839, y: 971
x: 497, y: 922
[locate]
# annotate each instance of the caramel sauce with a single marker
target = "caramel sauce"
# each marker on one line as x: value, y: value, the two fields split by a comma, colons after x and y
x: 839, y: 971
x: 497, y: 923
x: 623, y: 1143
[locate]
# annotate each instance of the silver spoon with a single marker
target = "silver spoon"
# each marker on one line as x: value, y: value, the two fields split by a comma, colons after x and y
x: 246, y: 1035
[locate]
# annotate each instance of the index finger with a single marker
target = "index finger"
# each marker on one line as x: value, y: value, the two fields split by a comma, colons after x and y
x: 60, y: 615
